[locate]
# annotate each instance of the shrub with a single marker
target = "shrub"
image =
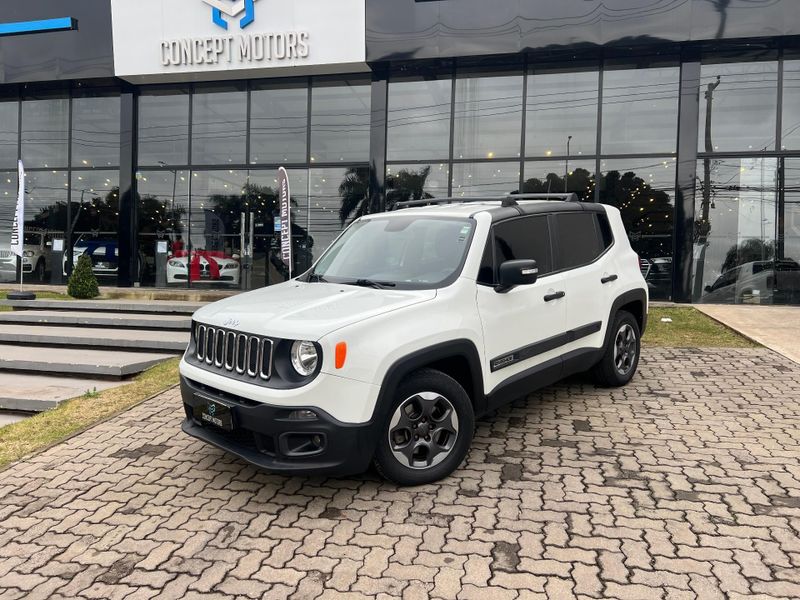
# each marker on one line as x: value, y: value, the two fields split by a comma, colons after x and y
x: 83, y: 283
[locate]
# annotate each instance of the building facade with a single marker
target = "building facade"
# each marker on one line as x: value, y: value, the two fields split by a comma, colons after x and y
x: 152, y: 130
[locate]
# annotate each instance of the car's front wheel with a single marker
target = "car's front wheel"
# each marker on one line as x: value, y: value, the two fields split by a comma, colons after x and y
x: 621, y: 357
x: 40, y: 272
x: 428, y: 429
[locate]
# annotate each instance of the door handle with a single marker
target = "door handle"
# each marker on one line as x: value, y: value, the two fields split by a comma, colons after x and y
x: 554, y: 296
x: 609, y: 279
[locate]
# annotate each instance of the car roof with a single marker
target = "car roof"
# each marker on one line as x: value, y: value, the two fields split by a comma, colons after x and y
x: 494, y: 208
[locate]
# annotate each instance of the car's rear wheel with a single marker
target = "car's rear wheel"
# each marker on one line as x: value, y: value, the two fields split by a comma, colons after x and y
x: 621, y: 357
x: 428, y: 430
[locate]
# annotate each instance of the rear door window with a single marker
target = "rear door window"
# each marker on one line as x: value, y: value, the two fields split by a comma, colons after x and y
x: 578, y: 239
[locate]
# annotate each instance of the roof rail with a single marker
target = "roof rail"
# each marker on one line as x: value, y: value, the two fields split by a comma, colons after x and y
x: 507, y: 200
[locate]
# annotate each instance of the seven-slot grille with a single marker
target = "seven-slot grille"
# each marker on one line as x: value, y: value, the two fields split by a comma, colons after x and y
x: 234, y: 351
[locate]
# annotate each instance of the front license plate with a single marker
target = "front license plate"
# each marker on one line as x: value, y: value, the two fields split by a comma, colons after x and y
x: 217, y: 414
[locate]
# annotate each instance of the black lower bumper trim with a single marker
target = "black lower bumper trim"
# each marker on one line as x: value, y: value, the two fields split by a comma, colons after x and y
x: 264, y: 436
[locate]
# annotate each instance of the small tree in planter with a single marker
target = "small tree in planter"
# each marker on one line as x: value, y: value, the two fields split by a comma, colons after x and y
x: 83, y: 283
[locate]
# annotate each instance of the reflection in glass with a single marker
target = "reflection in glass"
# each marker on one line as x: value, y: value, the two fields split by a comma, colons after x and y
x: 340, y: 117
x: 415, y: 182
x: 9, y: 130
x: 219, y: 127
x: 163, y: 212
x: 561, y: 105
x: 94, y: 221
x: 278, y: 125
x: 418, y: 124
x: 644, y: 192
x: 788, y: 264
x: 485, y: 179
x: 338, y: 196
x: 45, y: 133
x: 640, y: 110
x: 163, y: 129
x: 213, y: 258
x: 264, y: 206
x: 742, y: 98
x: 790, y: 123
x: 95, y: 132
x: 547, y: 177
x: 488, y: 117
x: 735, y: 233
x: 45, y: 220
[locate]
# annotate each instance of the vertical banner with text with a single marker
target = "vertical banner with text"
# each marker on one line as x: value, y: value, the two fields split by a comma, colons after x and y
x: 17, y: 234
x: 286, y: 218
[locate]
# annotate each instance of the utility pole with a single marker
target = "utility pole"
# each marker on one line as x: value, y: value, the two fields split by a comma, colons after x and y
x: 705, y: 225
x: 566, y: 169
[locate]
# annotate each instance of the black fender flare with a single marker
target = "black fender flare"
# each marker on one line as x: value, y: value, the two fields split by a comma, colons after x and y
x: 637, y: 295
x: 459, y: 348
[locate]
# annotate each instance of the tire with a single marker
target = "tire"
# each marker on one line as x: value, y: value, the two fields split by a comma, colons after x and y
x: 39, y: 272
x: 434, y: 407
x: 621, y: 356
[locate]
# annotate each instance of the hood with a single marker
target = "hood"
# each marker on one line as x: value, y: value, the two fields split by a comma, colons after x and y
x: 297, y: 310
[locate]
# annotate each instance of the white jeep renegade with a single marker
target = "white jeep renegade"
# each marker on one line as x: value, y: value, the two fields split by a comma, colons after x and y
x: 409, y: 327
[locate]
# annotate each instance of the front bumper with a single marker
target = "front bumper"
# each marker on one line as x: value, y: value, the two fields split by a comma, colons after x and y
x: 264, y: 435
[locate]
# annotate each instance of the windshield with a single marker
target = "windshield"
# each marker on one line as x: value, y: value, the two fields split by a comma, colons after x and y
x: 405, y: 252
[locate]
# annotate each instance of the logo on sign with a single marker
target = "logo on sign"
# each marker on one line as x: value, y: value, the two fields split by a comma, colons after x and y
x: 232, y: 8
x: 212, y: 409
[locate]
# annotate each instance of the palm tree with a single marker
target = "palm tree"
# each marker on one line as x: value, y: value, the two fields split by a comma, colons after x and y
x: 354, y: 192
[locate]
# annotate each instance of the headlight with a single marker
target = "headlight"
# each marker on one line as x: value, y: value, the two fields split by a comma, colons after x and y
x: 304, y: 357
x: 176, y: 264
x: 28, y: 253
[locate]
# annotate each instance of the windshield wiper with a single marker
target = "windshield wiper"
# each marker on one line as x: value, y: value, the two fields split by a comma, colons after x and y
x: 370, y: 283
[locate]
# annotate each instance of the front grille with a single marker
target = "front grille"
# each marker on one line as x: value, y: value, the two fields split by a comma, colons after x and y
x: 227, y: 350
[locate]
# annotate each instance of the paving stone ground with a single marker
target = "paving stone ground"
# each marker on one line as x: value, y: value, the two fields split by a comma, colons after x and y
x: 685, y: 484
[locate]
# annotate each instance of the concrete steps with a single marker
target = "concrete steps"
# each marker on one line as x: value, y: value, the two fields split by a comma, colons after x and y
x: 94, y: 337
x: 163, y: 307
x: 77, y: 361
x: 33, y: 392
x: 98, y: 319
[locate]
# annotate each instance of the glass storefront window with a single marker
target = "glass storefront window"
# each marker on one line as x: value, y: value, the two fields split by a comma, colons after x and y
x: 9, y: 134
x: 278, y: 125
x: 45, y: 133
x: 163, y: 129
x: 640, y: 110
x: 743, y: 99
x: 340, y: 121
x: 215, y: 230
x: 561, y: 105
x: 264, y: 203
x: 219, y: 127
x: 788, y: 249
x: 546, y: 177
x: 338, y: 196
x: 95, y: 132
x: 415, y: 182
x: 790, y: 122
x: 735, y: 233
x: 94, y: 220
x: 163, y: 213
x: 418, y: 122
x: 644, y: 192
x: 485, y: 179
x: 488, y: 117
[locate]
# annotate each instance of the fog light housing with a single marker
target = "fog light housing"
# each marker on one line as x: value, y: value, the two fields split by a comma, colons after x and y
x: 297, y: 444
x: 302, y: 415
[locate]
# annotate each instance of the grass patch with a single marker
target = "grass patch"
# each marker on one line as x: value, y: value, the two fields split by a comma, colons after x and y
x: 690, y: 329
x: 73, y: 416
x: 39, y: 296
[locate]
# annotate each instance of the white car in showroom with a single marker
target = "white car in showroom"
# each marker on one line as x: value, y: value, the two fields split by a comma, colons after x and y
x: 204, y: 266
x: 35, y: 260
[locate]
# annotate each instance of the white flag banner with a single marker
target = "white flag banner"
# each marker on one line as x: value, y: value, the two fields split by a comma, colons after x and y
x: 17, y: 234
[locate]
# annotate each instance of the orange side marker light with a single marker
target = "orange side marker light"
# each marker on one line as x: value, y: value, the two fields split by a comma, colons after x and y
x: 341, y: 354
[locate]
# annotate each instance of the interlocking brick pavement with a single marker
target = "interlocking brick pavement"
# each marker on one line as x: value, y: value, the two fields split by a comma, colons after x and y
x: 685, y: 484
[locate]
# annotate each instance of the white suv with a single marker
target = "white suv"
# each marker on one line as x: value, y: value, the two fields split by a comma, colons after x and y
x: 409, y: 327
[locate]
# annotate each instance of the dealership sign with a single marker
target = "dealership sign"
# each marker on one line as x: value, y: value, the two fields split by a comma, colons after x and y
x: 156, y: 38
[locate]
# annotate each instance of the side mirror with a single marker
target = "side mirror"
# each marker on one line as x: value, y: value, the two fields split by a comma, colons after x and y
x: 516, y: 272
x: 708, y: 289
